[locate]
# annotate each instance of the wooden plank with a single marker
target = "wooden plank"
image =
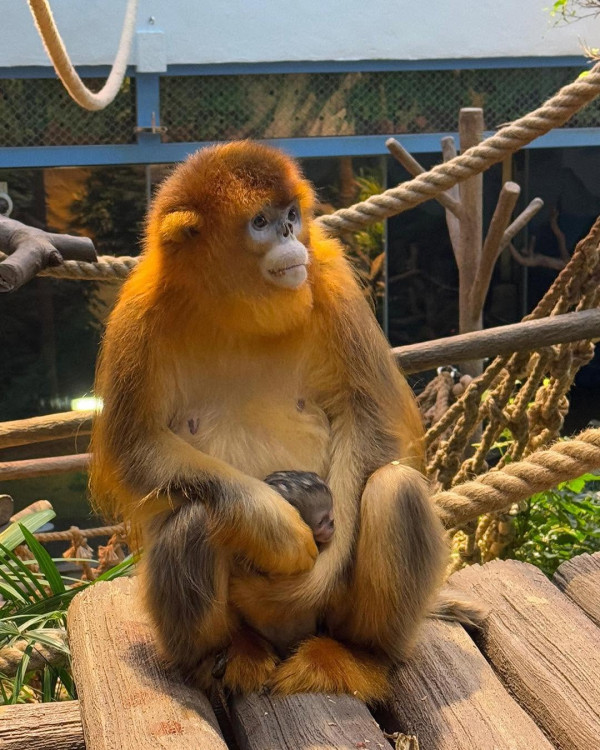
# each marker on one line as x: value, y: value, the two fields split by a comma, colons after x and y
x: 47, y: 427
x: 543, y: 647
x: 579, y: 579
x: 128, y: 701
x: 304, y: 722
x: 41, y: 726
x: 449, y: 697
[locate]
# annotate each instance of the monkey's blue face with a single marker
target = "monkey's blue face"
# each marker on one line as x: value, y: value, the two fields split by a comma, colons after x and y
x: 273, y: 232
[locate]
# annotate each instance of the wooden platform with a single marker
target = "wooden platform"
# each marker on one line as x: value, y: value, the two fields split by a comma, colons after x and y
x: 529, y: 681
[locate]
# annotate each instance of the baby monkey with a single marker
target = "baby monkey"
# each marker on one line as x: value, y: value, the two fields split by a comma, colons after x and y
x: 311, y: 497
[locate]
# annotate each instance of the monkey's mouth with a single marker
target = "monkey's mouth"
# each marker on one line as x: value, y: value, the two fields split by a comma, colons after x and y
x: 279, y: 272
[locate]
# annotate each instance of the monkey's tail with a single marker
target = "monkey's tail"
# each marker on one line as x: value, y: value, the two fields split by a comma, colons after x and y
x: 455, y: 606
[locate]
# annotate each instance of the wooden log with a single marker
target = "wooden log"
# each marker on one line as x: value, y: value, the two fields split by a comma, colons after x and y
x: 41, y: 726
x: 449, y: 697
x: 128, y: 701
x: 579, y: 579
x: 31, y: 508
x: 527, y: 336
x: 304, y: 722
x: 543, y: 647
x: 43, y: 467
x: 47, y: 427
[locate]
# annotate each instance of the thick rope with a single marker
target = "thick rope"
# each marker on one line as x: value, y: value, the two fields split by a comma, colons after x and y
x: 67, y: 536
x: 554, y: 113
x: 40, y: 656
x: 42, y: 15
x: 107, y: 268
x: 538, y: 472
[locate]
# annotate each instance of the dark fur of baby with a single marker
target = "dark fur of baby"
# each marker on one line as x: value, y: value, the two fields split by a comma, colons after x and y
x: 311, y: 497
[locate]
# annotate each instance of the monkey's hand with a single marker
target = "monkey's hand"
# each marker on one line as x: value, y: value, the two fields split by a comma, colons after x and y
x: 269, y: 533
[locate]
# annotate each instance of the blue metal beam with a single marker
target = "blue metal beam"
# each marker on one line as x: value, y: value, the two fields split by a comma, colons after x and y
x: 147, y: 103
x: 319, y: 66
x: 368, y: 145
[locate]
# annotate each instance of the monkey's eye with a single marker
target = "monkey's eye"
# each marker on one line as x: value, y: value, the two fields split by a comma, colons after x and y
x: 259, y: 221
x: 293, y: 215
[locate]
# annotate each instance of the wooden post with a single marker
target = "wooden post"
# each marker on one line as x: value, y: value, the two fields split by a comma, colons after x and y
x: 468, y: 252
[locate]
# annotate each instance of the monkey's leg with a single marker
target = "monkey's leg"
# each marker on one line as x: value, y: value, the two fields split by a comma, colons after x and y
x: 185, y: 583
x: 399, y: 563
x: 186, y: 587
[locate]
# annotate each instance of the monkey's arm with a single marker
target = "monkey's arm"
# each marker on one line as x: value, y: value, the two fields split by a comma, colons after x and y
x: 140, y: 468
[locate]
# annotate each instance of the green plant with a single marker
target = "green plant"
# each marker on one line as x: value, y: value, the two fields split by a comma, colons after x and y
x: 558, y: 524
x: 33, y: 615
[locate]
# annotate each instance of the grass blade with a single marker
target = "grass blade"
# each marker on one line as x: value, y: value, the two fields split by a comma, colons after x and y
x: 19, y: 679
x: 23, y: 572
x: 12, y: 536
x: 47, y: 567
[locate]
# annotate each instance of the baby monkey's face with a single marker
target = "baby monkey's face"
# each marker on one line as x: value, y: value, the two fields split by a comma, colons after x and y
x: 311, y: 497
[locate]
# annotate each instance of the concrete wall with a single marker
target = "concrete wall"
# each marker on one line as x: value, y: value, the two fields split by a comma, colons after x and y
x: 209, y: 31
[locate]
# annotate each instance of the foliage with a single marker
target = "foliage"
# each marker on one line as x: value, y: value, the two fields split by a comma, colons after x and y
x: 571, y: 10
x: 367, y: 246
x: 35, y: 600
x: 559, y: 524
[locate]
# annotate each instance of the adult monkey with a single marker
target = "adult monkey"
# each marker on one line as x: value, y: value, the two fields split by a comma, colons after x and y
x: 242, y: 345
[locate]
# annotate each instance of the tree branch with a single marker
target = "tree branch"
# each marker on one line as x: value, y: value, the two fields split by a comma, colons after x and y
x: 31, y: 250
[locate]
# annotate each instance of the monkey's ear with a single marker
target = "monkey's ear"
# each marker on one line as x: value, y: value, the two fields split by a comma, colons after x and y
x: 178, y: 226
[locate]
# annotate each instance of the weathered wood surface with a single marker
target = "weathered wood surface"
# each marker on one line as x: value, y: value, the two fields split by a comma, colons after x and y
x: 41, y: 726
x: 47, y: 427
x: 543, y: 647
x: 579, y: 579
x: 517, y: 337
x: 449, y: 697
x: 128, y: 701
x: 304, y: 722
x: 43, y: 467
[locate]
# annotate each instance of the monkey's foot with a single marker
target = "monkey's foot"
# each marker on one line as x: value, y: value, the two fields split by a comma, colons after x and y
x: 250, y: 661
x: 323, y: 665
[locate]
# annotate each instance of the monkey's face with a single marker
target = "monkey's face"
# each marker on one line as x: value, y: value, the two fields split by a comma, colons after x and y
x: 231, y: 227
x: 273, y: 235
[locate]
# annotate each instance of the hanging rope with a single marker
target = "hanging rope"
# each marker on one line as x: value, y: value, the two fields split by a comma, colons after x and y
x: 59, y: 56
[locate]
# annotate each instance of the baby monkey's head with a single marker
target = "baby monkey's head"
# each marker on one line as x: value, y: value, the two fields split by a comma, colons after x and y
x: 311, y: 497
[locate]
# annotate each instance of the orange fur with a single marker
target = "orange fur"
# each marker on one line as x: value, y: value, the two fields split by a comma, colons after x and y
x: 212, y: 378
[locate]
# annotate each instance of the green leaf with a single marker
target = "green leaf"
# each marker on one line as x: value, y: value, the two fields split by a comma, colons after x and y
x: 12, y: 536
x: 11, y: 593
x: 125, y: 567
x: 47, y: 567
x: 19, y: 678
x: 22, y: 572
